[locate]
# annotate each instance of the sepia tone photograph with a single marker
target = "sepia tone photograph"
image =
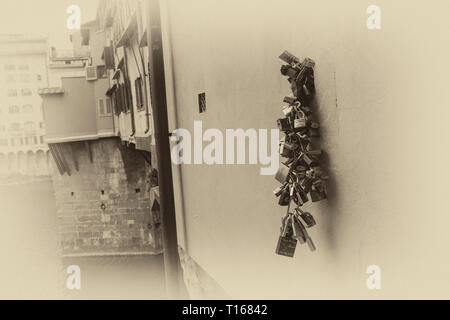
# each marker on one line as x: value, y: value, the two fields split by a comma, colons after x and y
x: 224, y: 150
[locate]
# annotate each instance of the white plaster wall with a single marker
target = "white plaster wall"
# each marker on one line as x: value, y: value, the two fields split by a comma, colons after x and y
x: 383, y: 104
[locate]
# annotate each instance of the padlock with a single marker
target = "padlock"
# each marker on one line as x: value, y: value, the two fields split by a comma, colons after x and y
x: 279, y: 190
x: 306, y: 184
x: 307, y: 110
x: 291, y: 146
x: 308, y: 239
x: 315, y: 194
x: 286, y: 246
x: 295, y: 89
x: 284, y: 124
x: 308, y: 63
x: 300, y: 197
x: 308, y: 218
x: 285, y: 197
x: 289, y: 100
x: 308, y: 160
x: 299, y: 121
x: 282, y: 173
x: 288, y: 57
x: 285, y: 151
x: 287, y: 110
x: 289, y: 71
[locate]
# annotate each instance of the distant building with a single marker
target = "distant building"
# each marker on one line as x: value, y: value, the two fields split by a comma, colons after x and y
x: 23, y: 60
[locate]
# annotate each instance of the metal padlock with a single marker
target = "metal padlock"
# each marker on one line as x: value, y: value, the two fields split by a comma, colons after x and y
x: 286, y: 246
x: 300, y: 197
x: 287, y: 110
x: 308, y: 63
x: 285, y: 151
x: 279, y: 190
x: 306, y: 110
x: 288, y: 57
x: 282, y: 173
x: 285, y: 197
x: 291, y: 146
x: 299, y: 121
x: 289, y: 100
x: 284, y: 124
x: 315, y: 194
x: 306, y: 184
x: 289, y: 71
x: 308, y: 218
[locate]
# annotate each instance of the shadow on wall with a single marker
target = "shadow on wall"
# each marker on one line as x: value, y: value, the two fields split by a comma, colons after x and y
x: 330, y: 206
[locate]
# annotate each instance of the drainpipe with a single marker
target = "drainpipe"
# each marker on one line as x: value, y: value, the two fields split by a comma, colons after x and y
x: 161, y: 126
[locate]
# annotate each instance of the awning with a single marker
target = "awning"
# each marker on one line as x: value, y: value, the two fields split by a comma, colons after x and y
x: 116, y: 74
x: 111, y: 90
x: 128, y: 33
x: 143, y: 42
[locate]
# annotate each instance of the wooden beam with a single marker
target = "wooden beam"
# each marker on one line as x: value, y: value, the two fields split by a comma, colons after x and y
x: 87, y: 145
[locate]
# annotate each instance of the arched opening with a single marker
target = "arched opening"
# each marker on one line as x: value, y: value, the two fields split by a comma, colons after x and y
x: 22, y: 162
x: 3, y: 164
x: 31, y: 163
x: 41, y: 163
x: 12, y: 163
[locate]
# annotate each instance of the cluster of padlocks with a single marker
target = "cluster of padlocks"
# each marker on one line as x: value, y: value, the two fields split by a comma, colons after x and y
x: 299, y: 173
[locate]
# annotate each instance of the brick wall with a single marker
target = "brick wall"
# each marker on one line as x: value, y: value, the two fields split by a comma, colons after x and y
x: 104, y: 206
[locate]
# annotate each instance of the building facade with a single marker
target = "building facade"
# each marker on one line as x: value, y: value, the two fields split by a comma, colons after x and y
x: 103, y: 187
x: 23, y: 63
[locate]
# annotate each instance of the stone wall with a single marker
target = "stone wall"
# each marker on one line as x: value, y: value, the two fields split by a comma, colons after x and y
x: 103, y: 207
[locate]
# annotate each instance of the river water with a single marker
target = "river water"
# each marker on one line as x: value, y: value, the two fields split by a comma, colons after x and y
x: 31, y: 264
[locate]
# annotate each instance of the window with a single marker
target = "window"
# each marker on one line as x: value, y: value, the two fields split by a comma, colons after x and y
x: 139, y: 97
x: 28, y: 108
x: 108, y: 106
x: 39, y: 77
x: 26, y: 92
x: 101, y: 72
x: 202, y: 102
x: 14, y: 109
x: 41, y: 125
x: 12, y: 93
x: 104, y: 107
x: 41, y: 139
x: 29, y: 125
